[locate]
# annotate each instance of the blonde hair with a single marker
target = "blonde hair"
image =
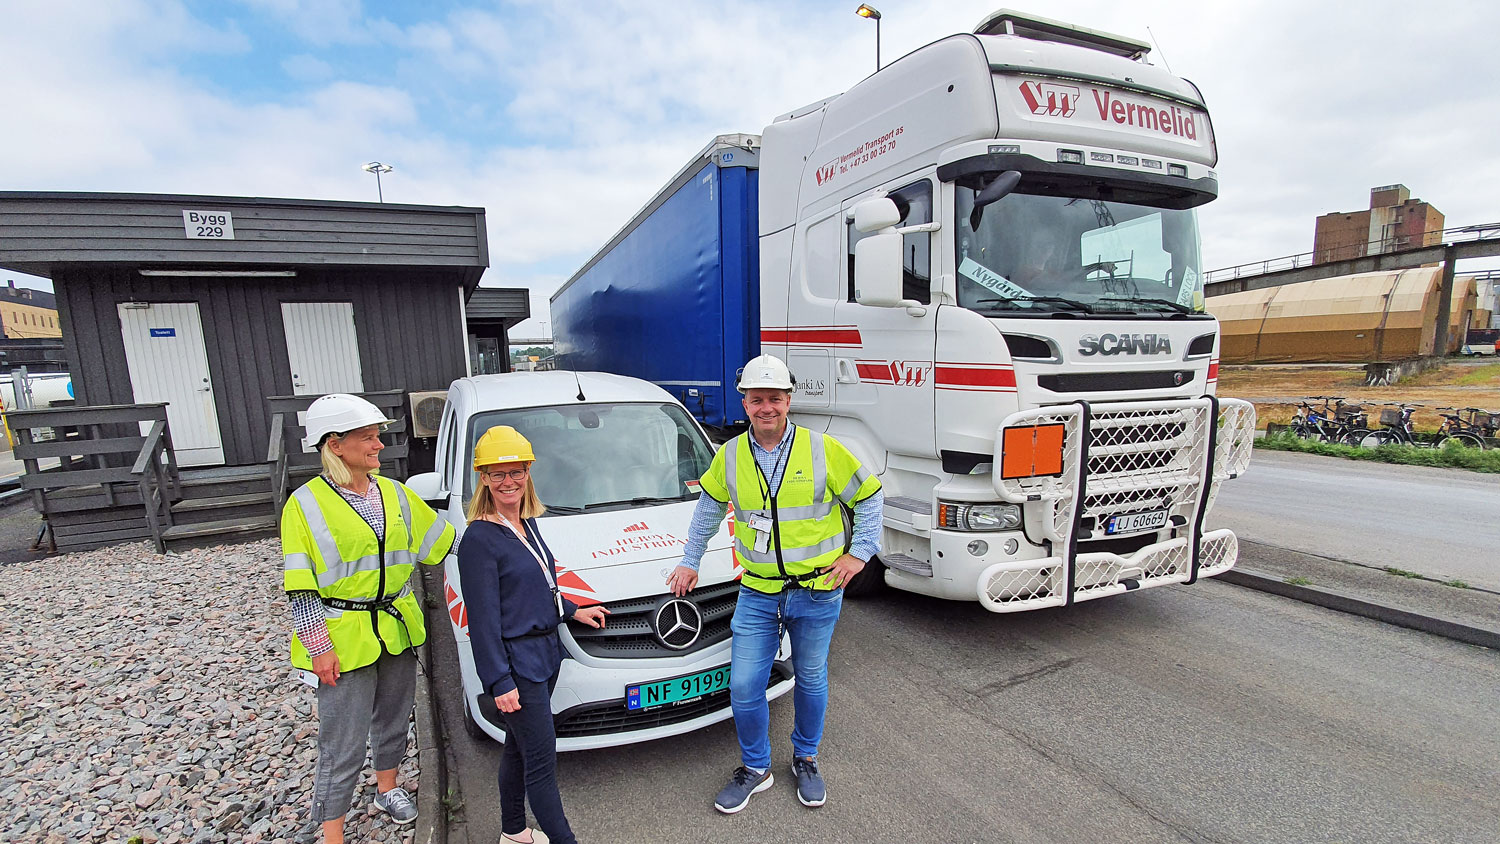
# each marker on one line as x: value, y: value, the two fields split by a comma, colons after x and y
x: 334, y: 466
x: 482, y: 505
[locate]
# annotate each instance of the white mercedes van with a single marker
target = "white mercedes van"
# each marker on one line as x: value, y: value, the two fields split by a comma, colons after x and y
x: 617, y: 466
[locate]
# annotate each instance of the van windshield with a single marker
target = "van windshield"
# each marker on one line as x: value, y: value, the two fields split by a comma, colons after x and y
x: 1034, y: 254
x: 597, y: 457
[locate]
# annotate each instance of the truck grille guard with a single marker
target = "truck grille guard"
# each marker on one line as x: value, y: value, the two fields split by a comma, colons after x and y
x: 1120, y: 458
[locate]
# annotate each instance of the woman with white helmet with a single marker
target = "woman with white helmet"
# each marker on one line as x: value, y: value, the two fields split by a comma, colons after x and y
x: 509, y: 581
x: 351, y: 541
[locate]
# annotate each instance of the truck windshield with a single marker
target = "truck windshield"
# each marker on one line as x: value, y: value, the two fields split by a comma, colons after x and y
x: 1045, y: 254
x: 597, y: 457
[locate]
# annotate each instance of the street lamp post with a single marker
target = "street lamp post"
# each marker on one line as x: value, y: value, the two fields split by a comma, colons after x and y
x: 865, y: 10
x: 377, y: 168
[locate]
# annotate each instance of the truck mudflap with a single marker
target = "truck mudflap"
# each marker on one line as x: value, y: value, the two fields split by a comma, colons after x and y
x: 1076, y: 468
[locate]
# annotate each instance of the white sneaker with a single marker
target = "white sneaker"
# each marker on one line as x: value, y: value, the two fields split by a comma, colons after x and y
x: 537, y: 837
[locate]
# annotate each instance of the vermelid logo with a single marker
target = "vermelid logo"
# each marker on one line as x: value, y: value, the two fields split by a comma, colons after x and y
x: 1050, y: 98
x: 825, y: 173
x: 1124, y: 344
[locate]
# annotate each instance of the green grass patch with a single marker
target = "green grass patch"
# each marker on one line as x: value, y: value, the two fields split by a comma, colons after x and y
x: 1479, y: 376
x: 1457, y: 584
x: 1452, y: 455
x: 1299, y: 580
x: 1402, y: 573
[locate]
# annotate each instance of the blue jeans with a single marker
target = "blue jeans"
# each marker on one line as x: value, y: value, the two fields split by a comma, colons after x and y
x: 809, y: 617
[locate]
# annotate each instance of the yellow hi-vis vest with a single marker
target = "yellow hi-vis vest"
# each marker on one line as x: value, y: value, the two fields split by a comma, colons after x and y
x: 329, y: 548
x: 808, y: 531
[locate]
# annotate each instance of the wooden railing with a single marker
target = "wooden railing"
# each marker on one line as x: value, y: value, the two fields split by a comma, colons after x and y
x: 290, y: 465
x: 105, y: 469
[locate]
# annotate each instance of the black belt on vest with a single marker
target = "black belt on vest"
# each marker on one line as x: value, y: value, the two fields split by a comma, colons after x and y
x: 791, y: 581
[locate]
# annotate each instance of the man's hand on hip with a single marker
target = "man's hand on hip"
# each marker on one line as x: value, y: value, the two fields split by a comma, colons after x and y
x: 843, y: 570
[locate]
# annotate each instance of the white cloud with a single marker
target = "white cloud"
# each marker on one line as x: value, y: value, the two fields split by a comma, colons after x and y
x: 599, y: 103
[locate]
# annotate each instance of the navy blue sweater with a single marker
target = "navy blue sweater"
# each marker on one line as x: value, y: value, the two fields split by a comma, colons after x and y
x: 507, y: 598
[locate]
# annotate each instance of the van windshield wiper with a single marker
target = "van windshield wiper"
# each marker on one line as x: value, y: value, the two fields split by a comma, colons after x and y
x: 1166, y: 303
x: 563, y: 509
x: 1070, y: 304
x: 640, y: 499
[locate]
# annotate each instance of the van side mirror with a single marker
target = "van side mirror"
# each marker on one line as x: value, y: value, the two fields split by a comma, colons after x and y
x: 429, y: 487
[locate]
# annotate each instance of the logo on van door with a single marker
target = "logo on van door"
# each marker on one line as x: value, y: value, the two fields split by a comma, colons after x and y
x: 1050, y: 98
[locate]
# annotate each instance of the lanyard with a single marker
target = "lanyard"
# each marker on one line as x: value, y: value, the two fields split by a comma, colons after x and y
x: 780, y: 465
x: 546, y: 569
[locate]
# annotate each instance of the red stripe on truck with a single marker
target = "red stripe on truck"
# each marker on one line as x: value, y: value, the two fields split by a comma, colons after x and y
x: 975, y: 378
x: 822, y: 336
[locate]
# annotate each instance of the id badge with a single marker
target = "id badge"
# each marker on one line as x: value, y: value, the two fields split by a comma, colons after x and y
x: 760, y: 523
x: 762, y: 541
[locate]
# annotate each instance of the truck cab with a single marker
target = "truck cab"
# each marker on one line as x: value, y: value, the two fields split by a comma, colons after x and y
x: 618, y: 462
x: 982, y: 265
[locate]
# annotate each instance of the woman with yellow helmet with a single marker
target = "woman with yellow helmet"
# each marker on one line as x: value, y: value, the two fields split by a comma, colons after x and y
x: 509, y: 581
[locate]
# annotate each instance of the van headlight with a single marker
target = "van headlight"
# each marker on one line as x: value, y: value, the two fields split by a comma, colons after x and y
x: 979, y: 517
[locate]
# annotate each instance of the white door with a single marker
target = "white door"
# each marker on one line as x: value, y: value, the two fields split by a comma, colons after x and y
x: 167, y: 361
x: 322, y: 347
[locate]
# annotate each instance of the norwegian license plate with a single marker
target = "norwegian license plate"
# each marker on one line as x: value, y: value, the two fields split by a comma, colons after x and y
x: 1136, y: 522
x: 677, y: 689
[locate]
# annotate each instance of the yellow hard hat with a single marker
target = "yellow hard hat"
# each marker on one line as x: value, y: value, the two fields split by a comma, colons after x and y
x: 502, y: 444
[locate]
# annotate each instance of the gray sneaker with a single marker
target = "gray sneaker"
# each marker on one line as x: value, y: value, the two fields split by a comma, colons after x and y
x: 745, y: 782
x: 398, y: 804
x: 810, y: 790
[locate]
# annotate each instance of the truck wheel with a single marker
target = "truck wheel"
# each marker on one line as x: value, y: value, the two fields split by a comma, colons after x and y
x: 869, y: 581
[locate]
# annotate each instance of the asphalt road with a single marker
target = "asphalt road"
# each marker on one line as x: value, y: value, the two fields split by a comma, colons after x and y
x: 1442, y: 523
x: 1188, y: 713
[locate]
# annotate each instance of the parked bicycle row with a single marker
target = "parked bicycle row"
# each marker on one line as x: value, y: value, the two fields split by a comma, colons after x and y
x: 1336, y: 421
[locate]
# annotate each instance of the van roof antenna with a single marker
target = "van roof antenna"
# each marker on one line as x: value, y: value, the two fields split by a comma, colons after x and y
x: 576, y: 380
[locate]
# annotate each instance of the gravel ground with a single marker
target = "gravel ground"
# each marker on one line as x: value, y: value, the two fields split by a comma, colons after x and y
x: 149, y: 699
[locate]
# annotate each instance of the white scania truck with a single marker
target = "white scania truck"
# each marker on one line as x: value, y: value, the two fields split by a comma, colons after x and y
x: 982, y: 265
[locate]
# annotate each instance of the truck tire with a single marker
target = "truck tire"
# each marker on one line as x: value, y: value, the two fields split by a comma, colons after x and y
x: 869, y: 581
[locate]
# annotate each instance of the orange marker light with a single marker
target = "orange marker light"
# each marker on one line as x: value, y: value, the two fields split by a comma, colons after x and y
x: 1032, y: 451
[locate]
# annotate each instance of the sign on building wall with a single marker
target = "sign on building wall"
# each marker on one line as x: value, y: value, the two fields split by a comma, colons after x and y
x: 208, y: 225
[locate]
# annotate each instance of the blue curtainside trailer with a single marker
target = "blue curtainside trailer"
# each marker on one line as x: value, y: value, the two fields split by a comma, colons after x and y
x: 673, y: 297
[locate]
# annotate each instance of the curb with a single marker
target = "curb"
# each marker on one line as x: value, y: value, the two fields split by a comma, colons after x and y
x: 1329, y: 599
x: 432, y: 827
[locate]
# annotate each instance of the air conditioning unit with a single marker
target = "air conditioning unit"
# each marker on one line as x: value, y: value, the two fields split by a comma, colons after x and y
x: 427, y: 412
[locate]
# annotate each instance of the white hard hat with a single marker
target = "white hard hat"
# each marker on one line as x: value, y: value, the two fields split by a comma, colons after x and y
x: 339, y: 413
x: 767, y: 372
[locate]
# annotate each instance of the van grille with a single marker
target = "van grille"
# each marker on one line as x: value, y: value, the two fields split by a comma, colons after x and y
x: 611, y: 716
x: 628, y: 633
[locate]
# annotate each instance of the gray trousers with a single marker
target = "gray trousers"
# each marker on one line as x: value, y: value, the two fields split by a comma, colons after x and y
x: 369, y: 704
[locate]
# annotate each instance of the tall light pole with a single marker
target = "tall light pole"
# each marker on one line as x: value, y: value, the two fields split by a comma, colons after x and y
x: 865, y: 10
x: 377, y: 168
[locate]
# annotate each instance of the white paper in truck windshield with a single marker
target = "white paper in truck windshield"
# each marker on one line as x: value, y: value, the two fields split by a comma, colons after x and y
x: 1185, y: 292
x: 991, y: 280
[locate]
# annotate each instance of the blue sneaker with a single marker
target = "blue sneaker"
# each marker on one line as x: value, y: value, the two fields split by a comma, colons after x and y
x: 745, y: 782
x: 810, y: 790
x: 398, y: 804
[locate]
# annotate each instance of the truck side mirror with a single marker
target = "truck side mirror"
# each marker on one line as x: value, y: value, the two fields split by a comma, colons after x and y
x: 875, y: 214
x: 877, y: 271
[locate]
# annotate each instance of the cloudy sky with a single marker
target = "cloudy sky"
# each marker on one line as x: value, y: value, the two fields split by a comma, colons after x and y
x: 562, y: 118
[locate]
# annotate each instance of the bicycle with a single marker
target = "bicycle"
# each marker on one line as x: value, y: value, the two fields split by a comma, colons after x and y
x: 1398, y: 429
x: 1331, y: 423
x: 1471, y: 432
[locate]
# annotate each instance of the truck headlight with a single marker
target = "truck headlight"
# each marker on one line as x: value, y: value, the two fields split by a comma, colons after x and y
x: 979, y: 517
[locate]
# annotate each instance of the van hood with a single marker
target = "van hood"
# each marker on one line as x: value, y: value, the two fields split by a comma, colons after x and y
x: 622, y: 554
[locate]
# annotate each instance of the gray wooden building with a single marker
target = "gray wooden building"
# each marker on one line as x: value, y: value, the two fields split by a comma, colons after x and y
x: 212, y: 304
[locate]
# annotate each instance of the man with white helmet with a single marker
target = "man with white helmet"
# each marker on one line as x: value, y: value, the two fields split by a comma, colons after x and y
x: 789, y: 487
x: 350, y: 542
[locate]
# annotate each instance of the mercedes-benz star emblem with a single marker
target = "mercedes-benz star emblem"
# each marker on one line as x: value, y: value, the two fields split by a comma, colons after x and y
x: 677, y: 623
